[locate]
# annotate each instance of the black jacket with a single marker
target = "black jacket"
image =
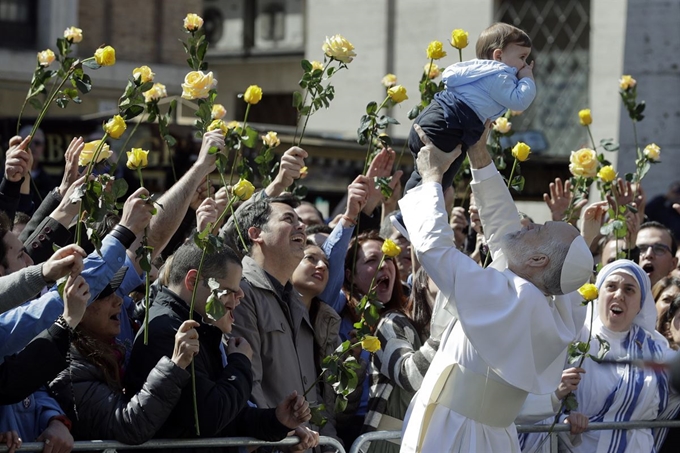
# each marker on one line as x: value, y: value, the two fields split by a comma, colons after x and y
x: 38, y: 363
x: 222, y: 392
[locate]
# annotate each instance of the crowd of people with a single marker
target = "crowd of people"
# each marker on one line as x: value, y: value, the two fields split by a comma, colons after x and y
x: 476, y: 313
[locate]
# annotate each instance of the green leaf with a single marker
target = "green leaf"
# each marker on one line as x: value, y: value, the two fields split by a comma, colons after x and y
x: 604, y: 347
x: 61, y: 284
x: 645, y: 168
x: 84, y: 84
x: 318, y: 418
x: 250, y: 138
x: 609, y: 144
x: 306, y: 65
x: 383, y: 184
x: 517, y: 183
x: 340, y: 404
x: 119, y: 188
x: 297, y: 99
x: 214, y: 309
x: 414, y: 112
x: 35, y: 103
x: 570, y: 402
x: 132, y: 112
x: 91, y: 64
x: 371, y: 108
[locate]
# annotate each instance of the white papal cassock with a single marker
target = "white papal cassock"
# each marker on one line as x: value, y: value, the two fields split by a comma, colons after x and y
x: 510, y: 339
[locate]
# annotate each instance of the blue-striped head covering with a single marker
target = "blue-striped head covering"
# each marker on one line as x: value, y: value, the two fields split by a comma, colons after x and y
x: 646, y: 318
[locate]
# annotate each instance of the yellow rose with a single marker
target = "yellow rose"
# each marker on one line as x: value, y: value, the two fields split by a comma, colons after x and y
x: 583, y: 163
x: 317, y: 65
x: 389, y: 80
x: 156, y: 92
x: 339, y: 48
x: 626, y: 82
x: 304, y: 171
x: 253, y: 94
x: 144, y: 74
x: 243, y: 189
x: 397, y: 93
x: 218, y: 125
x: 521, y: 151
x: 435, y: 50
x: 115, y: 127
x: 105, y: 56
x: 197, y: 85
x: 233, y: 125
x: 271, y: 139
x: 137, y: 158
x: 607, y: 173
x: 459, y: 38
x: 588, y: 291
x: 218, y: 111
x: 45, y: 58
x: 73, y: 34
x: 652, y: 151
x: 193, y: 22
x: 390, y: 248
x: 502, y: 125
x: 370, y: 343
x: 433, y: 69
x: 87, y: 154
x: 585, y: 118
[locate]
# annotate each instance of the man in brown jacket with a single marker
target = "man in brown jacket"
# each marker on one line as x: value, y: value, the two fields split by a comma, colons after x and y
x: 271, y: 316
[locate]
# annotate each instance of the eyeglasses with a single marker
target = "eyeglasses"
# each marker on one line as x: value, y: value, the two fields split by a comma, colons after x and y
x: 658, y: 248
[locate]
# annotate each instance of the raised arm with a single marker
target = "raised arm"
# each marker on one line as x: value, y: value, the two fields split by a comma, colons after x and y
x: 176, y: 200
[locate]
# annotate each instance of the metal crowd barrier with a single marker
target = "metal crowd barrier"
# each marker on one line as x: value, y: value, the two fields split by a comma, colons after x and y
x: 109, y: 446
x: 383, y: 435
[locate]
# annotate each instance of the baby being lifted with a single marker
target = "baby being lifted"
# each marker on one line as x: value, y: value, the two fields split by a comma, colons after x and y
x: 476, y: 91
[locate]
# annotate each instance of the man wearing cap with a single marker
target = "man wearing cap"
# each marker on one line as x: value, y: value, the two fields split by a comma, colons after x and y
x: 515, y: 318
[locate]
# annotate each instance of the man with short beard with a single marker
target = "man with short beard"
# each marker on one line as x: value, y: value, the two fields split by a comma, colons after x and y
x: 515, y: 318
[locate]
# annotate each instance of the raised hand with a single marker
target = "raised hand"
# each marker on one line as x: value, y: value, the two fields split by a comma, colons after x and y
x: 137, y: 212
x: 292, y: 161
x: 66, y: 260
x: 559, y: 198
x: 433, y: 162
x: 76, y: 296
x: 206, y: 160
x: 71, y: 173
x: 357, y: 196
x: 206, y: 214
x: 17, y: 159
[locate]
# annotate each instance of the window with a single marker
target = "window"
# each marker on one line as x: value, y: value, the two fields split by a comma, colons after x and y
x: 272, y: 109
x: 560, y: 33
x: 18, y: 24
x: 272, y: 22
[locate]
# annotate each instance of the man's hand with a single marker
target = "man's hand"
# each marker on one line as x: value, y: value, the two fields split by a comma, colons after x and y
x: 291, y: 163
x: 357, y: 195
x: 137, y: 212
x: 11, y: 439
x: 459, y: 225
x: 559, y: 199
x: 57, y: 438
x: 206, y: 161
x: 186, y: 344
x: 308, y: 439
x: 67, y: 211
x: 17, y: 159
x: 380, y: 167
x: 433, y: 162
x: 76, y: 296
x: 478, y: 154
x: 593, y: 217
x: 71, y: 167
x: 206, y: 214
x: 240, y: 345
x: 293, y: 411
x: 204, y: 190
x: 66, y: 260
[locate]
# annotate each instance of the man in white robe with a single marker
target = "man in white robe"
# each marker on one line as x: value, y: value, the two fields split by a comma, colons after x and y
x: 515, y: 319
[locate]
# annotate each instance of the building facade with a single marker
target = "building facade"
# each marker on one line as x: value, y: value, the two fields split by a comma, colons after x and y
x: 581, y: 48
